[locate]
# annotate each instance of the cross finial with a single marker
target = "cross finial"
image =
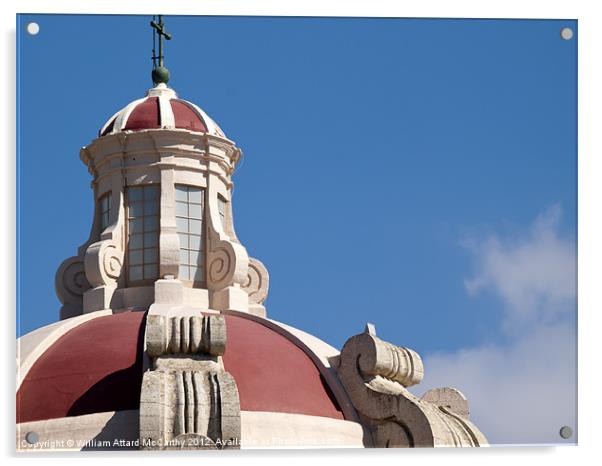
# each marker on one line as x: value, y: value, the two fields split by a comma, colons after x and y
x: 160, y: 74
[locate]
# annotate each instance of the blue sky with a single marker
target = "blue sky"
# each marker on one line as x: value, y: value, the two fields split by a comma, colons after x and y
x: 384, y: 159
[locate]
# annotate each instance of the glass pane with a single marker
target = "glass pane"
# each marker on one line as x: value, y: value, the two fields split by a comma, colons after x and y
x: 151, y: 240
x: 221, y: 206
x: 198, y: 275
x: 196, y: 226
x: 196, y: 211
x: 150, y: 271
x: 136, y: 209
x: 135, y: 225
x: 183, y: 240
x: 196, y: 257
x: 151, y: 207
x: 135, y: 242
x: 184, y: 257
x: 181, y: 193
x: 151, y: 192
x: 151, y: 255
x: 151, y: 223
x: 134, y: 194
x: 189, y: 216
x: 195, y: 195
x: 136, y: 273
x: 105, y: 220
x: 182, y: 224
x: 195, y: 242
x: 135, y: 257
x: 181, y: 209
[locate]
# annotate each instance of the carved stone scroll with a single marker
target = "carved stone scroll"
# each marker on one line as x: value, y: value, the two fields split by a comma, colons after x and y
x: 227, y: 260
x: 71, y: 284
x: 396, y: 363
x: 448, y: 398
x: 185, y: 335
x: 227, y: 263
x: 256, y: 286
x: 103, y: 263
x: 258, y: 281
x: 375, y: 374
x: 188, y: 401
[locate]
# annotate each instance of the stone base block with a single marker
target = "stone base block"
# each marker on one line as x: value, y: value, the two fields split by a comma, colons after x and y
x: 169, y: 291
x: 230, y: 298
x: 69, y: 310
x: 258, y: 310
x: 98, y: 299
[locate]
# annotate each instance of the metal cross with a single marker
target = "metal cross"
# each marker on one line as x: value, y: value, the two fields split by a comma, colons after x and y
x: 159, y: 30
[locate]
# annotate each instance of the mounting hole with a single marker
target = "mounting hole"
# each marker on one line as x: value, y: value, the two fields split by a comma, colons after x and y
x: 566, y: 33
x: 32, y: 438
x: 32, y: 28
x: 566, y: 432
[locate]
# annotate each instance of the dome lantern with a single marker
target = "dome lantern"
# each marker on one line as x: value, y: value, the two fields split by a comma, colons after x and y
x: 163, y: 230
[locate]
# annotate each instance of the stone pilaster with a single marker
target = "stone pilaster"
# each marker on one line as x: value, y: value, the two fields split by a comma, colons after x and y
x: 188, y: 400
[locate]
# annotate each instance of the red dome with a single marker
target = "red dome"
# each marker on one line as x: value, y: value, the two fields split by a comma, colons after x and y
x: 145, y: 115
x: 160, y: 109
x: 93, y: 368
x: 97, y: 367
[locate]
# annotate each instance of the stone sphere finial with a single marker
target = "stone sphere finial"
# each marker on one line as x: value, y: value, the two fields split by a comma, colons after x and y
x: 160, y: 75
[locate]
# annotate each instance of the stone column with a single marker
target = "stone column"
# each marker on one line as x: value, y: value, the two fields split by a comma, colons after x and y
x: 168, y: 289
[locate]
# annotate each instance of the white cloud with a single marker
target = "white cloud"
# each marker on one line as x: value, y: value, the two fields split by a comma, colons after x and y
x: 521, y: 393
x: 525, y: 390
x: 534, y: 275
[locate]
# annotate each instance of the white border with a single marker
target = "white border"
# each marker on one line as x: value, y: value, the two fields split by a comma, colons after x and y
x: 590, y: 176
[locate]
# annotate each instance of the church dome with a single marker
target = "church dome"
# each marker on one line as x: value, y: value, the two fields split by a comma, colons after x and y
x: 94, y: 363
x: 161, y: 109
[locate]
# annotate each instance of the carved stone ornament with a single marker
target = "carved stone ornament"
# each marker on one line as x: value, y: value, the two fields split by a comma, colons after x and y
x: 376, y: 375
x: 227, y: 262
x: 258, y: 282
x: 188, y: 400
x: 227, y: 259
x: 103, y: 263
x: 71, y: 284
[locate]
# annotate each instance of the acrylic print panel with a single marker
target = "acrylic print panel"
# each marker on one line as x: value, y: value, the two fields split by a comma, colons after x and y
x: 418, y: 175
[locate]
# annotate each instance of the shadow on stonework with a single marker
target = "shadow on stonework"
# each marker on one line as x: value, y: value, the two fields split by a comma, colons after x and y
x: 118, y: 391
x: 119, y: 433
